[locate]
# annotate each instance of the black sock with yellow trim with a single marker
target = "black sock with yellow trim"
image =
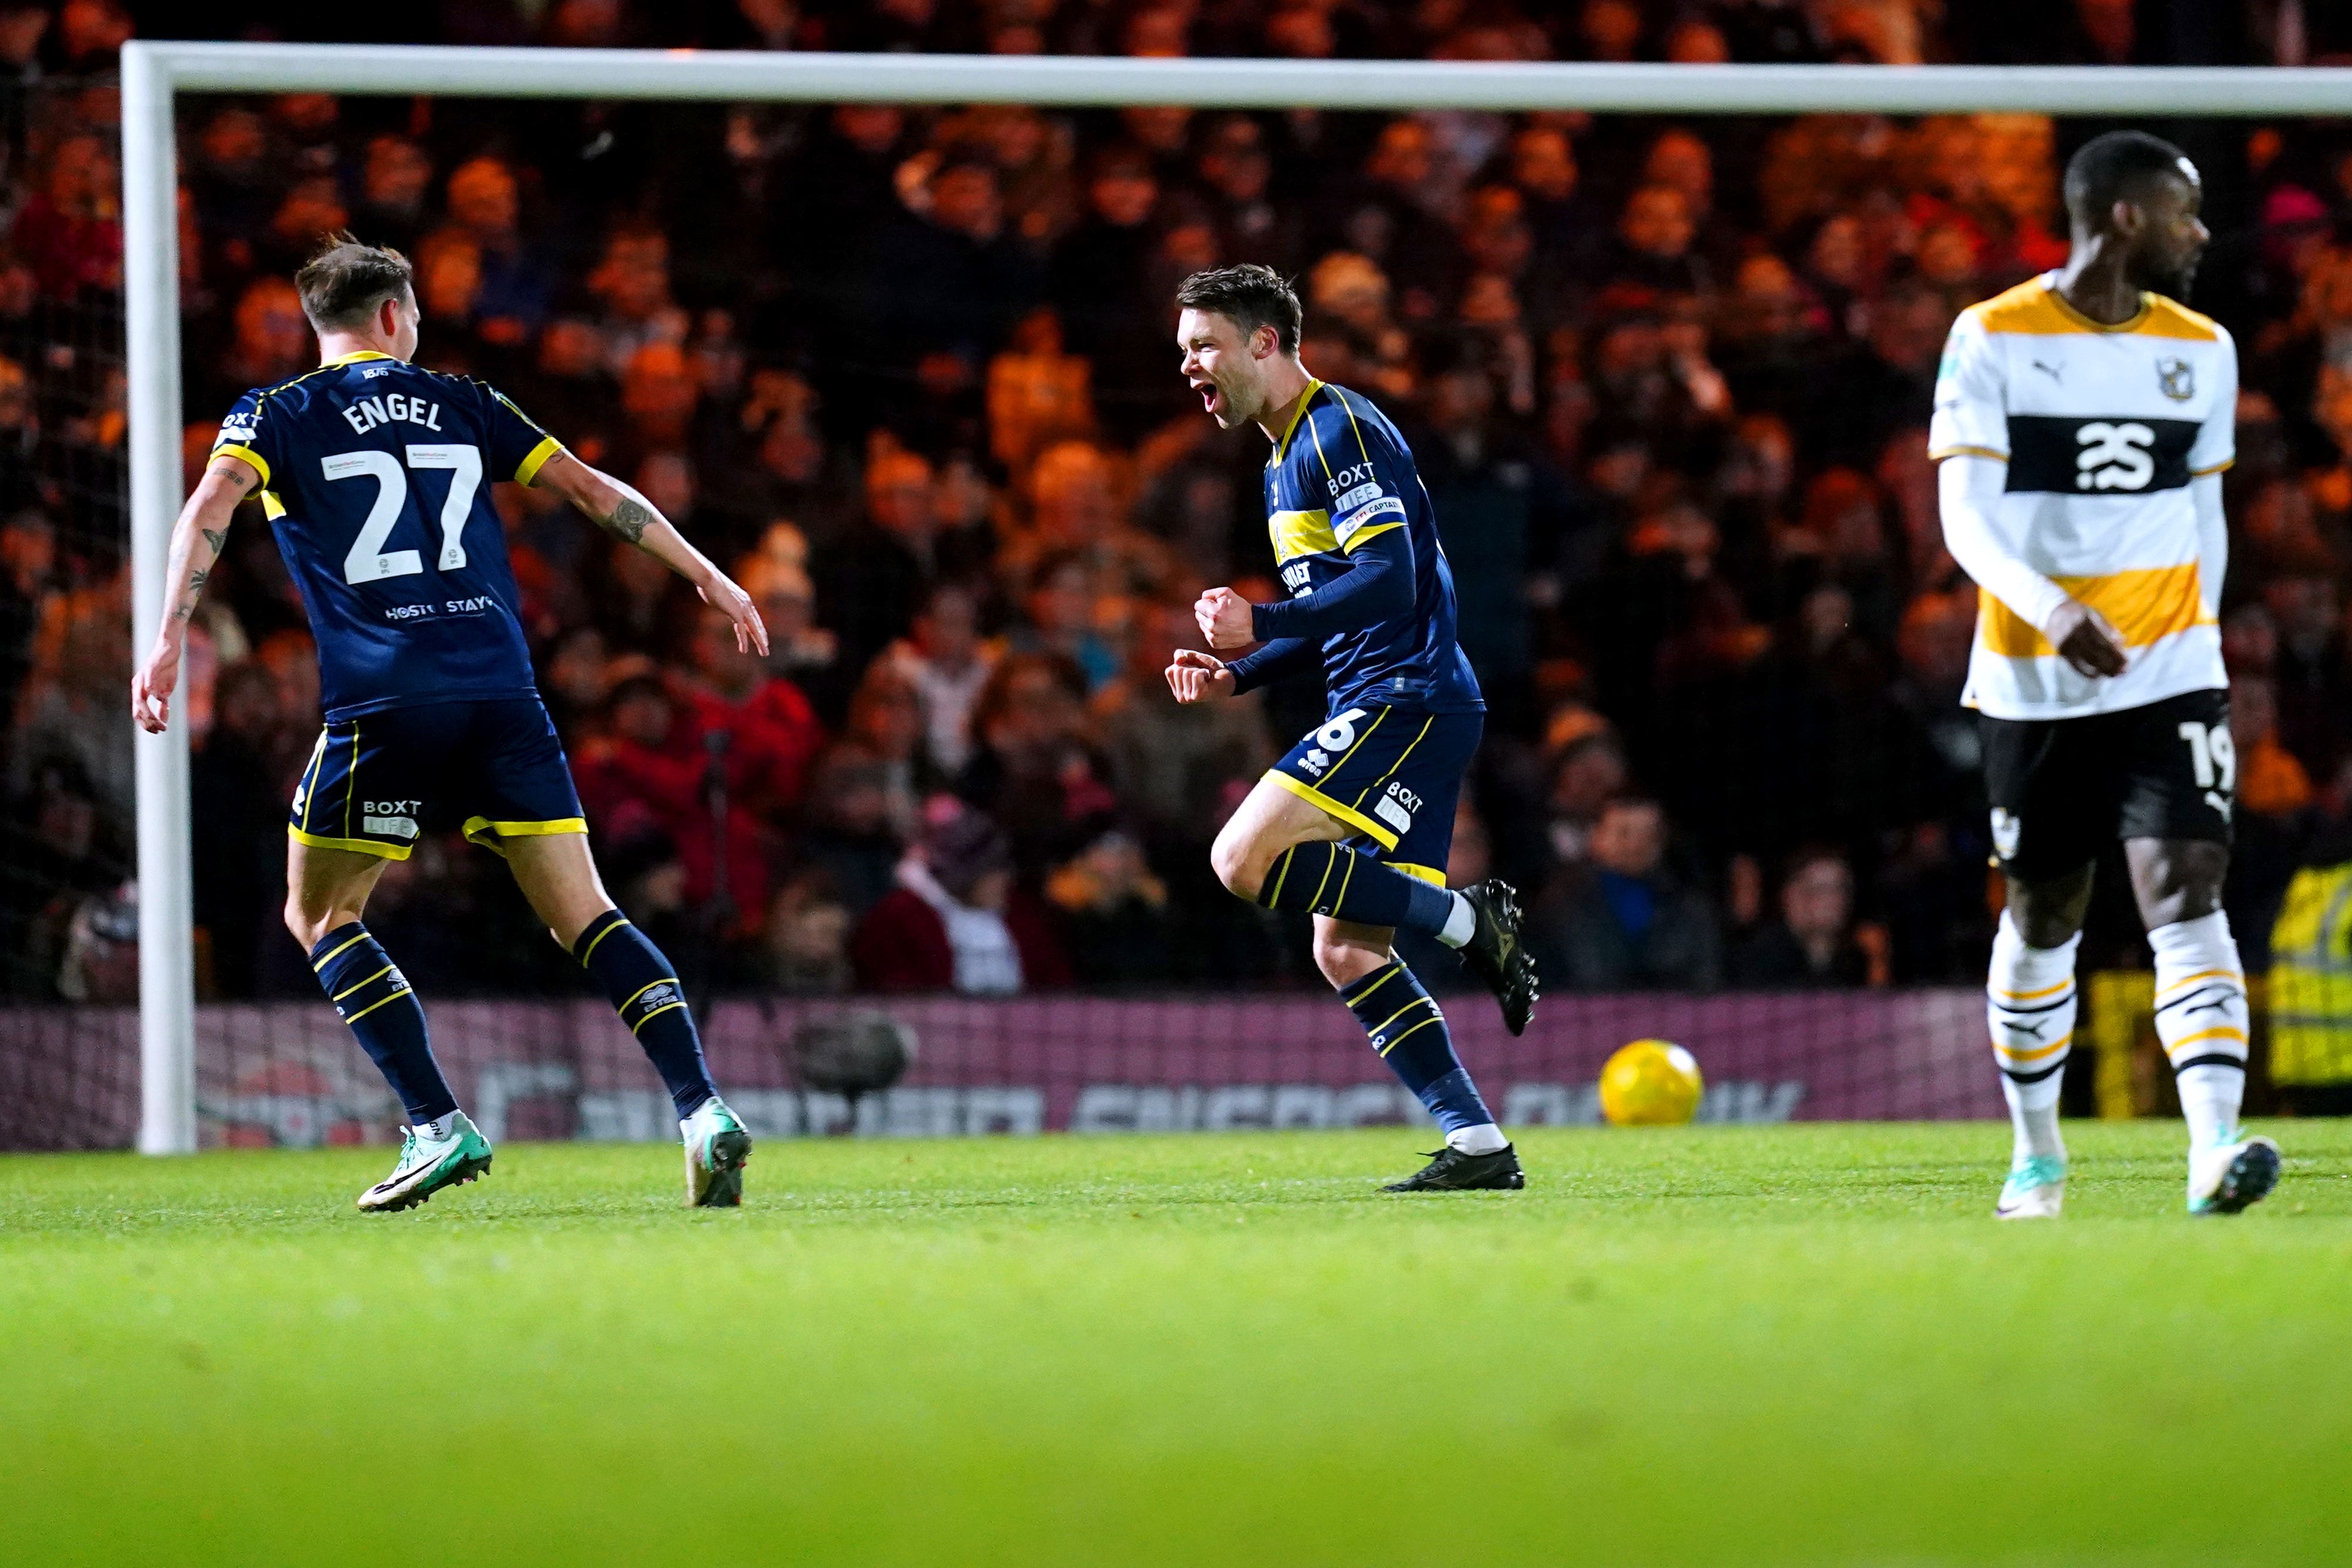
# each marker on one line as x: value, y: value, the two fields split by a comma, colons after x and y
x: 370, y: 994
x: 1330, y: 879
x: 1407, y: 1029
x: 645, y: 993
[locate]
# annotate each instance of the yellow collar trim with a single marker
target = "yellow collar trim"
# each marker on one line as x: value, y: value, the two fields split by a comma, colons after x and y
x: 2067, y: 308
x: 353, y: 358
x: 1282, y: 445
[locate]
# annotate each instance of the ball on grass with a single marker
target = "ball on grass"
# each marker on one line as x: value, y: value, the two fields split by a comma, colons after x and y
x: 1650, y: 1083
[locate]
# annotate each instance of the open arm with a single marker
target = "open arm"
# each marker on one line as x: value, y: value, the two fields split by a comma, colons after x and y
x: 197, y: 540
x: 620, y: 510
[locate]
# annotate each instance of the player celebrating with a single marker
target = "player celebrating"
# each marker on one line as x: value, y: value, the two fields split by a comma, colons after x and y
x: 1372, y: 602
x: 2083, y: 421
x: 371, y: 470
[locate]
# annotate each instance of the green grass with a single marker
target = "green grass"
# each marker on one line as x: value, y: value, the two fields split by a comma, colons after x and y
x: 1799, y: 1345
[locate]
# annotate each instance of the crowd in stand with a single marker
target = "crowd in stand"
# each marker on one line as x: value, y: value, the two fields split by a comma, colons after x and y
x: 909, y: 372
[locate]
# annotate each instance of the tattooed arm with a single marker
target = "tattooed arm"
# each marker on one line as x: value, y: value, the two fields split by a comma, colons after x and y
x: 196, y: 542
x: 622, y: 512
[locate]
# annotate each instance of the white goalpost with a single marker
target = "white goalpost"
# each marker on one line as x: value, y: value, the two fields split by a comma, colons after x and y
x: 155, y: 73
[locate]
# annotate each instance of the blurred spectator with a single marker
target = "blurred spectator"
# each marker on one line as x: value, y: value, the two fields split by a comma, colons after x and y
x: 1113, y: 914
x: 71, y: 708
x: 649, y: 767
x: 957, y: 921
x: 945, y: 660
x: 28, y: 582
x: 859, y: 814
x: 808, y: 938
x: 395, y: 180
x: 233, y: 789
x: 70, y: 231
x: 1814, y: 941
x: 2271, y: 781
x: 758, y: 723
x: 799, y: 649
x: 1064, y: 617
x: 1032, y: 768
x: 1623, y: 922
x: 870, y: 579
x: 1174, y: 768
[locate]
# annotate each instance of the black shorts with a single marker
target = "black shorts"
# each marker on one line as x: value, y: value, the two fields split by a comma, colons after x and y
x: 1391, y: 774
x: 493, y: 768
x: 2064, y: 788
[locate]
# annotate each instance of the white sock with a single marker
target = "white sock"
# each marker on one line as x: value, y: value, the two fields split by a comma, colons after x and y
x: 2209, y: 1096
x: 432, y: 1132
x: 2200, y: 1017
x: 1460, y: 927
x: 1483, y: 1139
x: 2029, y: 1003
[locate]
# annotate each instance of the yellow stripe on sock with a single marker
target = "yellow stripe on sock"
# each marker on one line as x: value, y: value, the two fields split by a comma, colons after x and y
x: 641, y: 990
x: 655, y: 1014
x: 1329, y: 862
x: 1400, y: 1013
x: 1403, y: 1038
x: 601, y: 936
x: 1281, y: 877
x: 1393, y: 971
x: 2204, y: 974
x: 372, y: 1005
x: 2033, y: 996
x: 2015, y: 1055
x: 346, y: 946
x: 370, y: 981
x: 2220, y: 1032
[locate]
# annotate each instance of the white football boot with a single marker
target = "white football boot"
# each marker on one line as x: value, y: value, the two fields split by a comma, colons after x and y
x: 2228, y: 1178
x: 717, y: 1148
x: 2035, y: 1189
x: 427, y: 1165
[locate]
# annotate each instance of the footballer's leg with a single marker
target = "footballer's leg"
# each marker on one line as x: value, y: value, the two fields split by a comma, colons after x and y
x: 2050, y: 787
x: 327, y: 893
x: 1282, y: 848
x: 1407, y: 1028
x: 2175, y: 832
x: 530, y: 815
x: 557, y: 876
x: 358, y: 807
x: 2030, y: 1008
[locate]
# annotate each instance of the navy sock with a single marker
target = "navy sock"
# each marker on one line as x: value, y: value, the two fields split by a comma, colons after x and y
x: 1406, y: 1028
x: 374, y: 996
x: 1330, y: 879
x: 645, y: 992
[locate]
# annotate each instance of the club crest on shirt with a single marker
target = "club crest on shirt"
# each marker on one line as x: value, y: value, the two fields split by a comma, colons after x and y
x: 2176, y: 379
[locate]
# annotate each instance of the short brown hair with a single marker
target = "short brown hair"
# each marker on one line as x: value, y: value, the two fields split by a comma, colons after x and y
x: 1250, y: 296
x: 343, y: 284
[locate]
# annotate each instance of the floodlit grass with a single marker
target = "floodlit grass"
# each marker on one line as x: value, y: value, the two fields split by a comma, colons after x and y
x: 1787, y: 1345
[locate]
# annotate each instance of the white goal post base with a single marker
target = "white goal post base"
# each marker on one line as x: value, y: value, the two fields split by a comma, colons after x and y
x: 155, y: 73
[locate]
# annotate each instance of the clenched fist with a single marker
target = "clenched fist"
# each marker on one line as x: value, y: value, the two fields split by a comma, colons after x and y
x: 1224, y: 618
x: 1195, y: 677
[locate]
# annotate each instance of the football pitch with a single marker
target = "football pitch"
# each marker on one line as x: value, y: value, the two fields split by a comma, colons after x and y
x: 1804, y: 1344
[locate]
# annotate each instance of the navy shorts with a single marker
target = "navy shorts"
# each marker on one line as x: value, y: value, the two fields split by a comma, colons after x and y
x: 1393, y: 774
x: 493, y: 768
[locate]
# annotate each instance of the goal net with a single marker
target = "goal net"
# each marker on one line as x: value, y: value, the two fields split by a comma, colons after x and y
x: 890, y: 338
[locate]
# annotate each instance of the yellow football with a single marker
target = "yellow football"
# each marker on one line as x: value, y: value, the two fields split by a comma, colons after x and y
x: 1650, y: 1083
